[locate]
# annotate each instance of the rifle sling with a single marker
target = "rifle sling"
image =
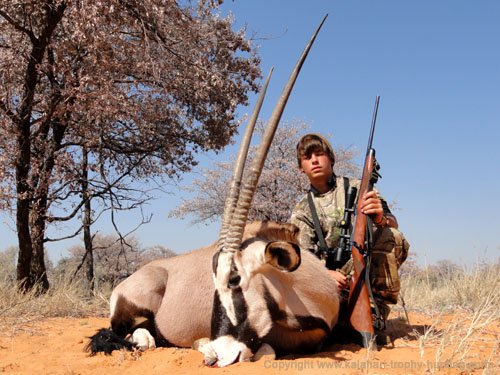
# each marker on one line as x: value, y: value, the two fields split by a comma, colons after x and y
x: 314, y: 214
x: 317, y: 226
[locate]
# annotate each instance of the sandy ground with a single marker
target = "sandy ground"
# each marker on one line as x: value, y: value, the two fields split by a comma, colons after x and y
x: 55, y: 346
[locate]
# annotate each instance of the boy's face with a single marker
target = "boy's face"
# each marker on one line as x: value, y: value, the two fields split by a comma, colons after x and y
x: 317, y: 166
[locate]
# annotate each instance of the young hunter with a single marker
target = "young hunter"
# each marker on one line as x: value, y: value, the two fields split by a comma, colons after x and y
x: 316, y: 159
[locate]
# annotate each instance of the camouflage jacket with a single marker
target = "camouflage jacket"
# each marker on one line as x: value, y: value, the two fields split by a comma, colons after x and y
x: 330, y: 208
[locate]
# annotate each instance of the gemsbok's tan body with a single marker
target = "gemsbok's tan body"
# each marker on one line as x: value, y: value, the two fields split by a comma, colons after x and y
x: 173, y: 298
x: 251, y: 291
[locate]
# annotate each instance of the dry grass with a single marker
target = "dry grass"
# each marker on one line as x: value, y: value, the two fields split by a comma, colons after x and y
x: 464, y: 306
x: 64, y: 299
x: 432, y: 289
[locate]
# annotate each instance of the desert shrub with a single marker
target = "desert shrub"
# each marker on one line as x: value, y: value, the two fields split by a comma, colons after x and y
x: 114, y: 260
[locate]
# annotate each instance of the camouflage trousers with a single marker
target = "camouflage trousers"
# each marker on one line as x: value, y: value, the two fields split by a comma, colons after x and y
x: 389, y: 251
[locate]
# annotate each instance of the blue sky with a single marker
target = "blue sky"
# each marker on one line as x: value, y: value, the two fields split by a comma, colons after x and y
x: 436, y: 66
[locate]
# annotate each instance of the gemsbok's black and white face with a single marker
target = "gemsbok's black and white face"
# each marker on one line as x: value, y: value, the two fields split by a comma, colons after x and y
x: 253, y: 292
x: 244, y: 306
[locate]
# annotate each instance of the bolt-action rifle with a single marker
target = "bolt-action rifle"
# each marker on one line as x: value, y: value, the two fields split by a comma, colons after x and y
x: 359, y: 309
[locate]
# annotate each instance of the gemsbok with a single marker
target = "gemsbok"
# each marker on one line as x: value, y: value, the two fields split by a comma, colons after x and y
x: 252, y: 291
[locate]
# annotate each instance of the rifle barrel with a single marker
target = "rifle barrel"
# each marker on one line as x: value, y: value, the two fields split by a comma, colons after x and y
x: 374, y: 120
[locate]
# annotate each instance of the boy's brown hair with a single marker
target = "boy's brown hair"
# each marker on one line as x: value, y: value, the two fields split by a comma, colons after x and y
x: 312, y: 142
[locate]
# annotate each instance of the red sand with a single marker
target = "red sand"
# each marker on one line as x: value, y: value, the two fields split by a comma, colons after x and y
x: 55, y: 346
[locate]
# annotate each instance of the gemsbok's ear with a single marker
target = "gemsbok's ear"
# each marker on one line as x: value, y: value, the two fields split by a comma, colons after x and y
x: 283, y: 255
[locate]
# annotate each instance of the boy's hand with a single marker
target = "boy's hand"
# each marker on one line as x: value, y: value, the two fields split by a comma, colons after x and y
x: 372, y: 206
x: 340, y: 278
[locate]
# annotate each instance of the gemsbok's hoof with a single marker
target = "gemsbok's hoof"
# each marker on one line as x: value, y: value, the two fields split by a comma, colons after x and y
x: 225, y: 351
x: 204, y: 346
x: 143, y: 339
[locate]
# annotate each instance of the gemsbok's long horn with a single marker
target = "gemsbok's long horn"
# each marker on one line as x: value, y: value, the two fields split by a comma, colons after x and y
x: 234, y: 190
x: 239, y: 218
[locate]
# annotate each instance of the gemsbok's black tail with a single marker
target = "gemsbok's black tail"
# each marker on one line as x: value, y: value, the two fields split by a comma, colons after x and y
x: 105, y: 340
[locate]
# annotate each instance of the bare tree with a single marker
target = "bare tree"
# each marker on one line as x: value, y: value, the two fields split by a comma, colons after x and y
x: 140, y: 85
x: 280, y: 185
x: 113, y: 260
x: 156, y: 252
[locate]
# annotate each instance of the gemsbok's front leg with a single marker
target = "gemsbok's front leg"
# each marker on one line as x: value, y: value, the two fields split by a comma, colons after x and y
x: 142, y: 339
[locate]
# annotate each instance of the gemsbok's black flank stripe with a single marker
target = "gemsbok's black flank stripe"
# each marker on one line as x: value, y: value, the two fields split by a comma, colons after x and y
x: 307, y: 323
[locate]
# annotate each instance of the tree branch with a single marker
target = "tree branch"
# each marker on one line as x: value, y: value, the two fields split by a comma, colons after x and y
x: 18, y: 27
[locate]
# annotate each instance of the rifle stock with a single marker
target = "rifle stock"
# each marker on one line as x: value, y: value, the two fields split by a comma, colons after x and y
x: 359, y: 309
